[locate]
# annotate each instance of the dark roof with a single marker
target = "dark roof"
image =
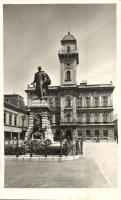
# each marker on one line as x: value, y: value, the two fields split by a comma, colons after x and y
x: 68, y: 37
x: 13, y: 95
x: 14, y: 107
x: 15, y: 100
x: 83, y: 86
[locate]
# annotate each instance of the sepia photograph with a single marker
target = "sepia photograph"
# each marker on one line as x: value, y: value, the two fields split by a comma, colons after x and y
x: 60, y: 96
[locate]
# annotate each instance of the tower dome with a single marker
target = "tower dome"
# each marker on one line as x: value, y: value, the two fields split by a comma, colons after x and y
x: 68, y: 37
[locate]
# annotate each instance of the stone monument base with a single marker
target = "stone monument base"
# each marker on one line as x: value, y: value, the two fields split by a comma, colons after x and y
x: 39, y: 117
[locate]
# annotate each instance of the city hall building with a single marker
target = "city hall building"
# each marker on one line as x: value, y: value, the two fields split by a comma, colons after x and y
x: 76, y: 110
x: 79, y: 110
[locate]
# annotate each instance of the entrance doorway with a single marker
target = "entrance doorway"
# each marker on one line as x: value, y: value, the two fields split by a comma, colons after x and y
x: 69, y: 134
x: 96, y: 133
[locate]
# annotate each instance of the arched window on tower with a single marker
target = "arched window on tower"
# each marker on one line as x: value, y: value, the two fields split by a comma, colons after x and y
x: 68, y: 76
x: 68, y: 49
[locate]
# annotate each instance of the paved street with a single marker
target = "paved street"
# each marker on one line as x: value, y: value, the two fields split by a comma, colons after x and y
x: 97, y: 168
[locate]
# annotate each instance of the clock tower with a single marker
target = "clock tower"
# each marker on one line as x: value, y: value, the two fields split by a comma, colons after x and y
x: 69, y: 58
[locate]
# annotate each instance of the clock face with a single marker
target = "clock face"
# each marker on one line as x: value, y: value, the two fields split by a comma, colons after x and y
x: 68, y: 65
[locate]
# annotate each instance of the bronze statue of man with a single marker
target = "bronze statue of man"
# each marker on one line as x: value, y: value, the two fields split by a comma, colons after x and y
x: 42, y: 80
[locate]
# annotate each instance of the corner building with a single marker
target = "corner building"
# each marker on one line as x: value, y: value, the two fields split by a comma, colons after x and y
x: 79, y: 110
x: 15, y: 118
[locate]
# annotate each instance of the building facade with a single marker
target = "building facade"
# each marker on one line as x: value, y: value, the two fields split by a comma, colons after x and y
x: 76, y: 110
x: 115, y: 120
x: 79, y: 110
x: 15, y: 118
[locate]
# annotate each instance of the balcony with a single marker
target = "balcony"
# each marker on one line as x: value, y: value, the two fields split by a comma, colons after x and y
x: 95, y: 108
x: 87, y: 124
x: 94, y: 123
x: 68, y: 123
x: 64, y: 54
x: 67, y: 52
x: 68, y: 108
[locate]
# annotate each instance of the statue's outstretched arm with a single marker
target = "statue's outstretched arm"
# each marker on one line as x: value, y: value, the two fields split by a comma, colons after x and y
x: 34, y: 81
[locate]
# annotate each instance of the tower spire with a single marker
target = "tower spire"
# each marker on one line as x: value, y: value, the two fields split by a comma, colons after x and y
x: 68, y: 23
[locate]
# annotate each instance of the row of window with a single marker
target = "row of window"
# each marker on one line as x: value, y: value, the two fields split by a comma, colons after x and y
x: 12, y: 119
x: 96, y: 133
x: 87, y: 102
x: 80, y: 103
x: 14, y: 135
x: 70, y: 48
x: 96, y: 102
x: 87, y: 118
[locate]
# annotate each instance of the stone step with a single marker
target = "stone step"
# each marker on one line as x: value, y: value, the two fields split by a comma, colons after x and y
x: 31, y: 121
x: 31, y: 124
x: 30, y: 127
x: 29, y: 131
x: 31, y: 118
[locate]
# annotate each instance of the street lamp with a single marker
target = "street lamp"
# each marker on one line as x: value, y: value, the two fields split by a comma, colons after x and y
x: 61, y: 139
x: 31, y: 149
x: 23, y: 125
x: 17, y: 150
x: 74, y: 129
x: 23, y: 118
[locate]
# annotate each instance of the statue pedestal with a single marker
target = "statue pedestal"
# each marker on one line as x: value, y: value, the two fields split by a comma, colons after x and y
x: 41, y: 109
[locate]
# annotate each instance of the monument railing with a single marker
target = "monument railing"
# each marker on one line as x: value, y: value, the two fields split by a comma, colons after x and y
x: 65, y: 149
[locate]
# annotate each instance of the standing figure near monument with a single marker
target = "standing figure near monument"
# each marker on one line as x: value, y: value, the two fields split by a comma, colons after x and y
x: 42, y: 80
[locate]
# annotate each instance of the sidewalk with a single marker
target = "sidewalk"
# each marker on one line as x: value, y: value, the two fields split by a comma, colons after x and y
x: 106, y: 156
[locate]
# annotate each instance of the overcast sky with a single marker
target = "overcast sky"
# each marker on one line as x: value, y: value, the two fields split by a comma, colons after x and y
x: 32, y: 35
